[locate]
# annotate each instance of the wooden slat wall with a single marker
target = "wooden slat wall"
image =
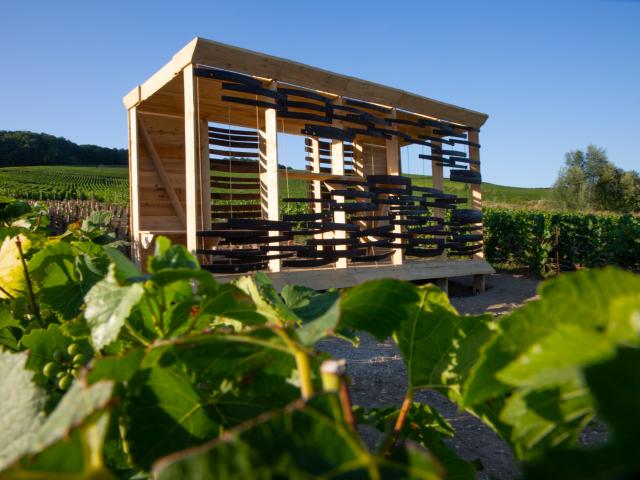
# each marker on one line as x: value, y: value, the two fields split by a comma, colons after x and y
x: 156, y: 211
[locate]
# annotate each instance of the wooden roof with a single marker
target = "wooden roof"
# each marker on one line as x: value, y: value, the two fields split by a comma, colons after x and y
x: 214, y: 54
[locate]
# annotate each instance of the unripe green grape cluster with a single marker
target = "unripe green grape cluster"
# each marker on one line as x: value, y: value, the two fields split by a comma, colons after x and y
x: 65, y: 366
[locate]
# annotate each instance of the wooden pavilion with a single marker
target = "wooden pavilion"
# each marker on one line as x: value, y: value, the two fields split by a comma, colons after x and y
x: 204, y: 171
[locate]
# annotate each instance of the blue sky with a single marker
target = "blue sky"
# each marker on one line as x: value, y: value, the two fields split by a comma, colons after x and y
x: 553, y: 75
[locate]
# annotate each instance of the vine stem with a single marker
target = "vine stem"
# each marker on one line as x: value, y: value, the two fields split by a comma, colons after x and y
x: 155, y: 319
x: 397, y: 428
x: 32, y: 299
x: 302, y: 364
x: 304, y: 370
x: 334, y: 379
x: 6, y: 292
x: 133, y: 332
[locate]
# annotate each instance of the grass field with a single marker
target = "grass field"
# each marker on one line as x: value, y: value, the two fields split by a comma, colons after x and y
x: 111, y: 185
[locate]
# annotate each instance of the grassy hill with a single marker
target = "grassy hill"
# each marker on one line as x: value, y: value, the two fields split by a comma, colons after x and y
x: 111, y: 184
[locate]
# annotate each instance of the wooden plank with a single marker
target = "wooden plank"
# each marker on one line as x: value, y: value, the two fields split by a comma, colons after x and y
x: 394, y: 167
x: 160, y: 222
x: 324, y: 278
x: 476, y: 190
x: 269, y: 173
x: 151, y: 179
x: 191, y: 154
x: 133, y: 186
x: 164, y: 178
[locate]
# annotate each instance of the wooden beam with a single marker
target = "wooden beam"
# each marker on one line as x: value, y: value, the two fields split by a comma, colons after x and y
x: 476, y: 190
x: 394, y: 167
x: 191, y: 154
x: 134, y: 186
x: 163, y: 76
x: 269, y: 174
x: 220, y: 55
x: 164, y: 177
x: 310, y: 176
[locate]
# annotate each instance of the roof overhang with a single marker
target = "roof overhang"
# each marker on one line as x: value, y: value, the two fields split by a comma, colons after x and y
x: 218, y: 55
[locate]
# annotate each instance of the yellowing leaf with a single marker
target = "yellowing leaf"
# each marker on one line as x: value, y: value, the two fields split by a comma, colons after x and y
x: 11, y: 273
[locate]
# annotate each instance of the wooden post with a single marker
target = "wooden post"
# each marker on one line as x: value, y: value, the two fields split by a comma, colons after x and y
x: 394, y: 167
x: 337, y: 168
x: 204, y: 220
x: 479, y: 283
x: 269, y: 174
x: 437, y: 181
x: 316, y: 185
x: 134, y: 186
x: 191, y: 153
x: 205, y: 175
x: 476, y: 190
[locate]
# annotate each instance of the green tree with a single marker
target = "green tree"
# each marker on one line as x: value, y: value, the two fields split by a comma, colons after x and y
x: 589, y: 180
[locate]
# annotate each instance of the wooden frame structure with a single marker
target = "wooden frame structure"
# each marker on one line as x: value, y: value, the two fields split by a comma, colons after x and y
x: 204, y: 171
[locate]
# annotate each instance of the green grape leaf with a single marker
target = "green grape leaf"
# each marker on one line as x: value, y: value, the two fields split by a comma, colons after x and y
x: 76, y: 405
x: 437, y: 344
x: 615, y: 386
x: 544, y: 419
x: 77, y: 455
x: 119, y: 368
x: 324, y: 323
x: 167, y: 256
x: 228, y: 302
x: 166, y: 414
x: 63, y: 278
x: 584, y: 299
x: 125, y: 269
x: 302, y: 441
x: 377, y: 306
x: 267, y: 301
x: 558, y: 358
x: 297, y: 296
x: 22, y: 407
x: 108, y: 306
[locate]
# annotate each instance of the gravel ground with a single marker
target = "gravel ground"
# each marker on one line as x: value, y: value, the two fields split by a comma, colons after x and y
x: 378, y: 376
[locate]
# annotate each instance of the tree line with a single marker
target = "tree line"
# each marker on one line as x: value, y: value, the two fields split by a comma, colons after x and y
x: 22, y: 148
x: 589, y: 181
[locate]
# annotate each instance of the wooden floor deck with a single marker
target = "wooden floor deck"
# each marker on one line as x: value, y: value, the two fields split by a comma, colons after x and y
x: 329, y: 277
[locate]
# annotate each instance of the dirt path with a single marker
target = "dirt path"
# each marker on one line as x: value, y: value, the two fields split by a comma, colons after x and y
x: 378, y: 375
